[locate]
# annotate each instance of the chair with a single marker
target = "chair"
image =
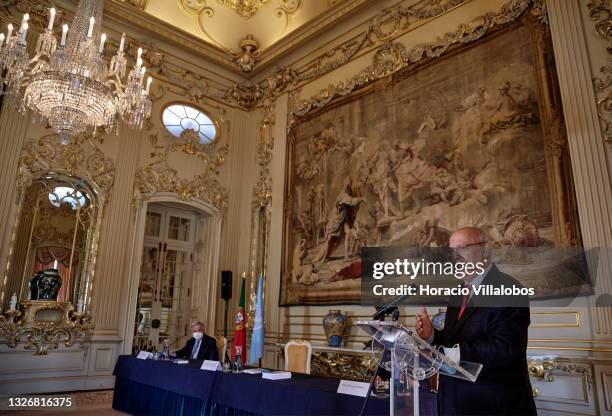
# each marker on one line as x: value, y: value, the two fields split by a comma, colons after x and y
x: 297, y: 356
x: 221, y: 343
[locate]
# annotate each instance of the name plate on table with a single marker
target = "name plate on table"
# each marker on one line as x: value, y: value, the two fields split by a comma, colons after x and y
x: 143, y: 355
x: 210, y: 365
x: 354, y: 388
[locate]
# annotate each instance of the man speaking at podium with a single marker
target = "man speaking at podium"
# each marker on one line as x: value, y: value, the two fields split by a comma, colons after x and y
x: 488, y: 330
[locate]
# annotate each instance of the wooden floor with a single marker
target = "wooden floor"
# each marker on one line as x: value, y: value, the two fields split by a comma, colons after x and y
x: 90, y: 403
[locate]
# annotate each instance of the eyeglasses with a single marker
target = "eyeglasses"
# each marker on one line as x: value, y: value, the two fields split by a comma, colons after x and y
x: 455, y: 251
x: 480, y: 243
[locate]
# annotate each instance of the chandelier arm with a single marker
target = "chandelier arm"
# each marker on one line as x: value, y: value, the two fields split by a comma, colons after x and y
x: 37, y: 64
x: 119, y: 88
x: 35, y: 60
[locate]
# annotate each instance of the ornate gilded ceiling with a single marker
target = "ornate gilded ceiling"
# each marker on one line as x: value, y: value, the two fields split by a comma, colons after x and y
x: 247, y: 32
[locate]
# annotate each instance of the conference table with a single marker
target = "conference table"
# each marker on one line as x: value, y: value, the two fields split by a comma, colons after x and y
x: 148, y: 387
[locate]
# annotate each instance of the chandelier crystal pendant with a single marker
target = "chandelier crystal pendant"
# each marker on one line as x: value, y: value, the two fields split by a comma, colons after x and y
x: 72, y: 87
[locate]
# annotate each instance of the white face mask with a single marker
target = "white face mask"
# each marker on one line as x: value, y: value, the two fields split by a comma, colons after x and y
x: 198, y: 335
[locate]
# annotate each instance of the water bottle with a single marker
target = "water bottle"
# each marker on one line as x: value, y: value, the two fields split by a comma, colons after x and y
x: 166, y: 349
x: 238, y: 360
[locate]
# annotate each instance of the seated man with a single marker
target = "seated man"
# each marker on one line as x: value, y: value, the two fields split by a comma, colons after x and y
x: 491, y: 330
x: 200, y: 347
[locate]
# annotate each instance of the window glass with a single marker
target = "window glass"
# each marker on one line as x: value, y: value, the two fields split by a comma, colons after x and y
x: 153, y: 224
x: 178, y: 229
x: 180, y: 117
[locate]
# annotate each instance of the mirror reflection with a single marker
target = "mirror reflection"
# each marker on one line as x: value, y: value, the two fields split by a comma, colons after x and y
x: 51, y: 258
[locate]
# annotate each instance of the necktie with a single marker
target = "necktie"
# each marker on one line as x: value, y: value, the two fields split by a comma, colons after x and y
x: 464, y: 303
x: 196, y: 348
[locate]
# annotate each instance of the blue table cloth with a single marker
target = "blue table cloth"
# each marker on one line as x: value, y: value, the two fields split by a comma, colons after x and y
x: 145, y: 387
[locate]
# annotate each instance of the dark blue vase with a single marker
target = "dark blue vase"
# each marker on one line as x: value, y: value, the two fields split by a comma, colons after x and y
x: 49, y: 284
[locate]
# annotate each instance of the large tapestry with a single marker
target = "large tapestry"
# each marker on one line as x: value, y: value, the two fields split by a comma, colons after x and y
x: 472, y: 138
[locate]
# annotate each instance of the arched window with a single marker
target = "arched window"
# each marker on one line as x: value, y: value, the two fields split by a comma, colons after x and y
x: 67, y: 195
x: 179, y: 117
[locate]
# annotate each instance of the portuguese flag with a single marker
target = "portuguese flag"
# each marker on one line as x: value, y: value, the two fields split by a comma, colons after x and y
x: 239, y: 342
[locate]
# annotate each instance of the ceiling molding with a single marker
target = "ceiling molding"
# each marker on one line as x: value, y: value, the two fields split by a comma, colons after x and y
x: 149, y: 24
x: 305, y: 32
x: 266, y: 57
x: 392, y: 57
x: 380, y: 29
x: 244, y: 9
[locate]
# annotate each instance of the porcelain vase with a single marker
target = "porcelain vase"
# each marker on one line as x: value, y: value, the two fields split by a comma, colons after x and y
x: 334, y: 324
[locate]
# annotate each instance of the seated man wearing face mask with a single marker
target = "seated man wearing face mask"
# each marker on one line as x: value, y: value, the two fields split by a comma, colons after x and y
x: 200, y: 347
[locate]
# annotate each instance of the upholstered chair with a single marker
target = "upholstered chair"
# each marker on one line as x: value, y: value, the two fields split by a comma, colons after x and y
x: 297, y: 356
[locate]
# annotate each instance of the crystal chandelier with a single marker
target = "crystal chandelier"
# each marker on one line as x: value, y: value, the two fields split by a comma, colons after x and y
x: 72, y: 87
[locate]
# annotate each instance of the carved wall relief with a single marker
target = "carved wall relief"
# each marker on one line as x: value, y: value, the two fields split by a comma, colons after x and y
x: 261, y: 212
x: 160, y: 176
x: 601, y: 15
x: 81, y: 157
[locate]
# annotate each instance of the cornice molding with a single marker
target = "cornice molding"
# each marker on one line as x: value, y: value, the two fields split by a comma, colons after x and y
x: 385, y: 26
x: 299, y: 36
x: 381, y: 29
x: 151, y: 25
x: 392, y: 57
x: 386, y: 23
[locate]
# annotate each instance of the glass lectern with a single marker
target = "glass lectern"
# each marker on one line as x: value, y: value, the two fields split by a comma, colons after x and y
x: 409, y: 359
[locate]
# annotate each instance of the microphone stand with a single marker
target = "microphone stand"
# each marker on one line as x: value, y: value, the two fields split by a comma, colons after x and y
x: 175, y: 341
x: 390, y: 308
x: 395, y: 317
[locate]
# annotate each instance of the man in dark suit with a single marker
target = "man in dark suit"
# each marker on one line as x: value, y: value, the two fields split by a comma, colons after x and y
x: 200, y: 347
x: 490, y: 330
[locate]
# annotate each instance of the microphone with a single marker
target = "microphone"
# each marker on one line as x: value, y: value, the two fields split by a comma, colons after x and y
x: 391, y: 307
x: 175, y: 341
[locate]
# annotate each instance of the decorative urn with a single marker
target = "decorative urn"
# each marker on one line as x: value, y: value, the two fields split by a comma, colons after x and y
x: 49, y: 284
x: 334, y: 324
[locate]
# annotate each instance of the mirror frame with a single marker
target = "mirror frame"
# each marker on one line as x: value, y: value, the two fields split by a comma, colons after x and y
x: 47, y: 182
x: 80, y: 159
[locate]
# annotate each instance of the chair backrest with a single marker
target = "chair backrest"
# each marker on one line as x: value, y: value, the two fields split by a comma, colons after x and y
x: 297, y: 356
x: 221, y: 343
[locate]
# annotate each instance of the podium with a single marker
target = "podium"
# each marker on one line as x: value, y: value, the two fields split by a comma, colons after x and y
x: 409, y: 359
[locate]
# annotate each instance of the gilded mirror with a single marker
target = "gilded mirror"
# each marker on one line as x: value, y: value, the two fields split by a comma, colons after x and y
x: 53, y: 248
